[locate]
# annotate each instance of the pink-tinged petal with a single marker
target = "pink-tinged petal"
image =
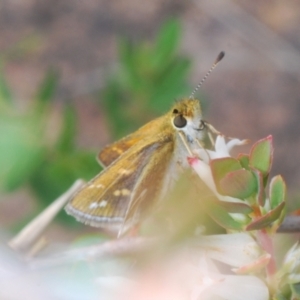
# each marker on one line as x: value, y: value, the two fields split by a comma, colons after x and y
x: 204, y: 172
x: 203, y: 154
x: 254, y: 266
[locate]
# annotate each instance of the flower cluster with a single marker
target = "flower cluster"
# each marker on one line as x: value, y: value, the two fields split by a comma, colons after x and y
x: 242, y: 204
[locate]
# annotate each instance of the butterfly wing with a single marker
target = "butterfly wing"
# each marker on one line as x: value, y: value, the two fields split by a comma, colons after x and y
x: 121, y: 192
x: 113, y: 151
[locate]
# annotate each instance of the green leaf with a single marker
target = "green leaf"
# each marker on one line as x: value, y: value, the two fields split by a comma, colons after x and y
x: 235, y: 207
x: 47, y: 89
x: 244, y: 160
x: 267, y: 219
x: 166, y: 43
x: 170, y: 85
x: 66, y: 139
x: 261, y: 155
x: 277, y: 191
x: 221, y: 167
x: 58, y: 172
x: 21, y: 149
x: 5, y: 93
x: 280, y: 296
x: 260, y: 195
x: 239, y: 184
x: 128, y: 57
x: 221, y: 216
x: 150, y: 77
x: 296, y: 289
x: 112, y: 96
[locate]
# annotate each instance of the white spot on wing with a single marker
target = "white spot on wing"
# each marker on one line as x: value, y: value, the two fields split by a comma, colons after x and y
x: 103, y: 203
x: 93, y: 205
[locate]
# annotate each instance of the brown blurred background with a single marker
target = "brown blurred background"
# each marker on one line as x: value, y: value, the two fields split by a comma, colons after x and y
x: 253, y: 93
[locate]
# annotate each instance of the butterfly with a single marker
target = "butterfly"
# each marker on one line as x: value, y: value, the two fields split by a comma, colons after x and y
x: 141, y: 168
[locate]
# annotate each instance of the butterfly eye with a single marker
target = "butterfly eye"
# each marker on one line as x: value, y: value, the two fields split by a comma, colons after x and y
x: 175, y: 111
x: 179, y: 121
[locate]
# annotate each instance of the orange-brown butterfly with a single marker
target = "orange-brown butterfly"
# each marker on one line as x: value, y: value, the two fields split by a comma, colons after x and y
x: 141, y: 167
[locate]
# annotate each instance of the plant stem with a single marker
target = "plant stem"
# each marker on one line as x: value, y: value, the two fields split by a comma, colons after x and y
x: 266, y: 243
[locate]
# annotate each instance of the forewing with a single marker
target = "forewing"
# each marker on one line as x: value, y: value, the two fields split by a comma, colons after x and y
x: 113, y: 151
x: 105, y: 200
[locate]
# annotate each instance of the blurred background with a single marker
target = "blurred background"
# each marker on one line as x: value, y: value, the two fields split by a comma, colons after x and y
x: 76, y: 75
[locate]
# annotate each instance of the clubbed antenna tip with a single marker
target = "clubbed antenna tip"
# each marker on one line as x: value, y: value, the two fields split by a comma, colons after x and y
x: 218, y: 59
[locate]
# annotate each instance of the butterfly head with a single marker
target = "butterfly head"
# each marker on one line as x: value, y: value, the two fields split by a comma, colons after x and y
x: 186, y: 116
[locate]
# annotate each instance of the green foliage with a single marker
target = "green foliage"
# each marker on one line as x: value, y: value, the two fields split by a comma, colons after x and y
x: 150, y: 78
x: 244, y: 201
x: 260, y: 196
x: 5, y: 94
x: 235, y: 207
x: 239, y: 184
x: 266, y: 219
x: 28, y: 153
x: 47, y: 88
x: 20, y: 148
x: 222, y: 217
x: 245, y: 179
x: 261, y: 155
x: 220, y: 167
x: 296, y: 290
x: 232, y: 180
x: 65, y: 143
x: 277, y: 191
x: 58, y: 172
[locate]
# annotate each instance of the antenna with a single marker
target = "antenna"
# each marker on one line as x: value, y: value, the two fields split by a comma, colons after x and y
x: 218, y: 59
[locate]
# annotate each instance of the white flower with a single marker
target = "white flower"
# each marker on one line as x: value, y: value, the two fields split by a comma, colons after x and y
x: 291, y: 265
x: 192, y: 274
x: 231, y: 287
x: 209, y: 284
x: 222, y: 149
x: 202, y: 168
x: 112, y: 287
x: 237, y: 249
